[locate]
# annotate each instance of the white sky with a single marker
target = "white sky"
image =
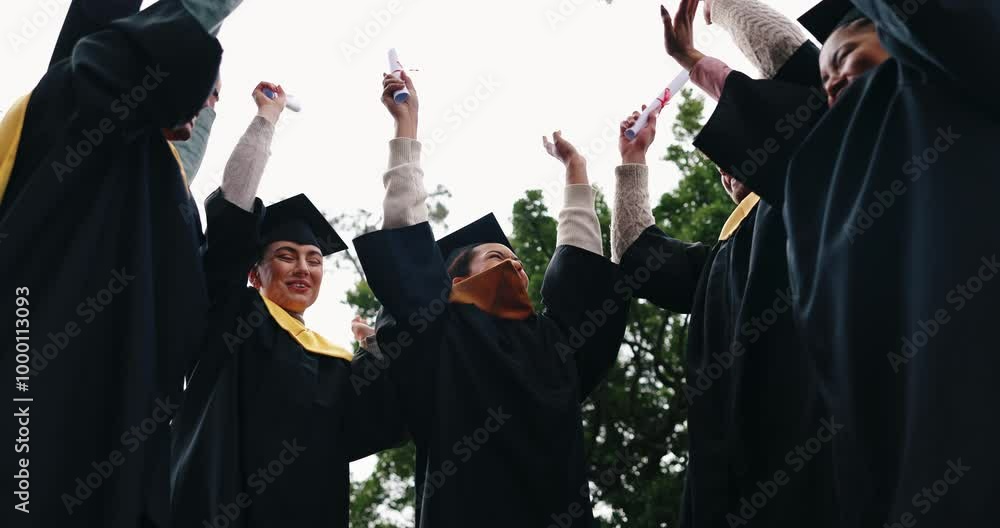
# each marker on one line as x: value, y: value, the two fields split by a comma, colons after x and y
x: 542, y: 65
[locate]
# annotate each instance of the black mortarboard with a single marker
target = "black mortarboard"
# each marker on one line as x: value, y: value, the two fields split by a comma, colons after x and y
x: 297, y: 220
x: 486, y: 230
x: 829, y: 15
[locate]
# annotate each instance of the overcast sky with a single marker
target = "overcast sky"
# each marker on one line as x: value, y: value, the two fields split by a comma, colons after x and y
x: 493, y: 78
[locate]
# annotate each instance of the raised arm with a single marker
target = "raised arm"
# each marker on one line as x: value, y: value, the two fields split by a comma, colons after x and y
x: 89, y: 16
x: 578, y: 224
x: 234, y: 212
x: 192, y: 151
x: 772, y: 42
x: 405, y: 195
x: 401, y: 261
x: 673, y: 266
x: 767, y: 38
x: 152, y: 69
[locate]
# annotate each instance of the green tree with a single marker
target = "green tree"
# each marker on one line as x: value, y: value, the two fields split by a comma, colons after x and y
x: 639, y: 415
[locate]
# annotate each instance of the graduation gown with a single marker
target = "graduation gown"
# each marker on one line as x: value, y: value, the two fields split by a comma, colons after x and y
x: 890, y: 213
x: 101, y: 238
x: 493, y: 404
x: 273, y: 414
x: 751, y: 398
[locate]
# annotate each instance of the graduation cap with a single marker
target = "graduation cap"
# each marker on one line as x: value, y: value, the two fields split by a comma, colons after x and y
x: 486, y: 230
x: 827, y: 16
x: 297, y: 220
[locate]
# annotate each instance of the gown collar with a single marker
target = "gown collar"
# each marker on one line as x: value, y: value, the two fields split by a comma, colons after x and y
x: 739, y: 214
x: 305, y: 337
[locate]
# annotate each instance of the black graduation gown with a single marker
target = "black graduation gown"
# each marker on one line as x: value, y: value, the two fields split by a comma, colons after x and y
x: 494, y: 404
x: 751, y: 399
x: 267, y: 428
x: 890, y: 214
x: 108, y: 252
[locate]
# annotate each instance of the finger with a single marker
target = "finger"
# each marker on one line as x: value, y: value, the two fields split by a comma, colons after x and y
x: 692, y: 10
x: 635, y: 115
x: 557, y: 136
x: 668, y: 26
x: 408, y: 81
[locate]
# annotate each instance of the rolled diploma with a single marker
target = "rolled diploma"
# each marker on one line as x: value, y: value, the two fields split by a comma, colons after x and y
x: 395, y: 67
x: 291, y: 102
x: 658, y: 103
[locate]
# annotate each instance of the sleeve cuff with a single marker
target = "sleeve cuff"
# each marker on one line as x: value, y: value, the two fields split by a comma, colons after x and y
x: 710, y: 74
x: 632, y: 171
x: 403, y: 151
x: 579, y: 195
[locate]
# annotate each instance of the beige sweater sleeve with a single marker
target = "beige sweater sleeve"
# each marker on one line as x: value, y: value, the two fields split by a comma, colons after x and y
x: 246, y: 164
x: 578, y: 223
x: 405, y: 197
x: 766, y: 37
x: 632, y: 213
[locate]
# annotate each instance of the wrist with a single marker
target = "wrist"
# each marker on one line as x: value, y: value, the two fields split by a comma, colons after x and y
x: 406, y: 128
x: 637, y: 158
x: 688, y: 58
x: 270, y: 113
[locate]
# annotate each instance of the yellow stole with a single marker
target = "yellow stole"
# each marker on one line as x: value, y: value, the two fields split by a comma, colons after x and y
x: 305, y: 337
x: 497, y: 291
x: 10, y: 139
x: 739, y: 215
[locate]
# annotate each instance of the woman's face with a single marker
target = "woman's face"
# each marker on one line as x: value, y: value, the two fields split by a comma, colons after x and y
x: 849, y: 53
x: 488, y: 255
x: 290, y: 275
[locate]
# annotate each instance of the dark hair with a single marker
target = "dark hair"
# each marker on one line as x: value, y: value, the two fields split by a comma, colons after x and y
x: 459, y: 264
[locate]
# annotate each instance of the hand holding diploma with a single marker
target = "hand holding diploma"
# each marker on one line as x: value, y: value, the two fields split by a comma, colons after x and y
x: 405, y: 113
x: 634, y: 150
x: 269, y: 106
x: 396, y: 70
x: 657, y: 104
x: 291, y: 102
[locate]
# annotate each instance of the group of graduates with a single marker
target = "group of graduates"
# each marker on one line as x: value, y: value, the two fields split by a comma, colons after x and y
x: 838, y: 353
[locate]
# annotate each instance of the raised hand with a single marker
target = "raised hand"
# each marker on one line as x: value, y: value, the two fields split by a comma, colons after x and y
x: 678, y: 34
x: 269, y: 108
x: 564, y: 151
x: 404, y: 114
x: 634, y: 151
